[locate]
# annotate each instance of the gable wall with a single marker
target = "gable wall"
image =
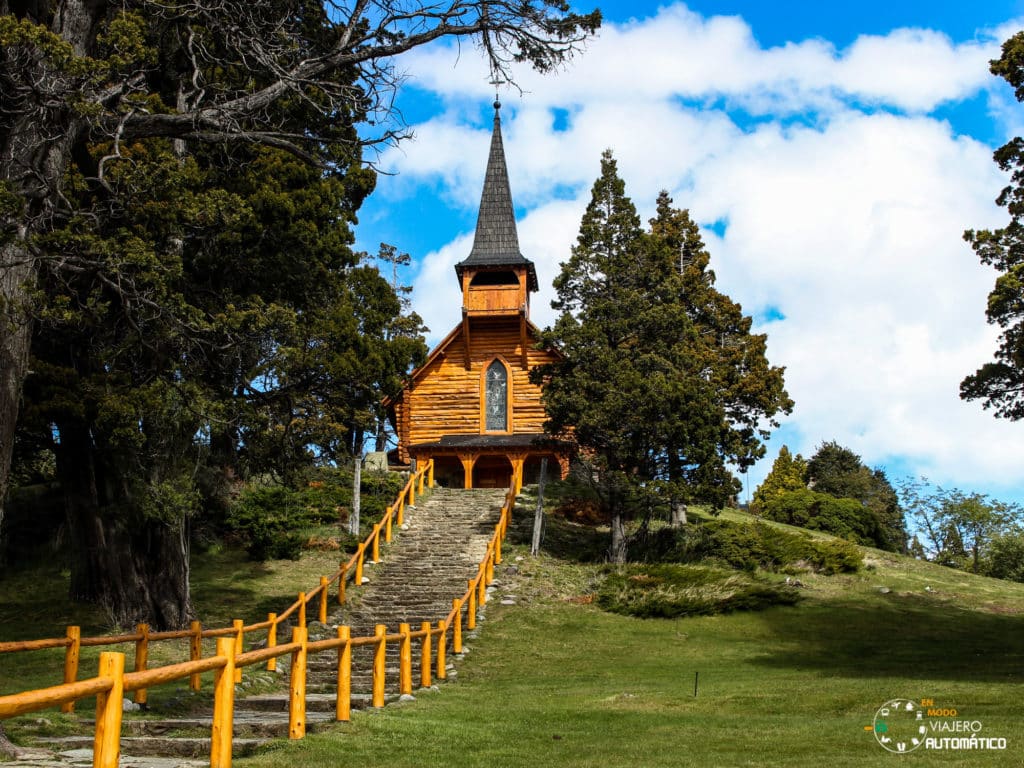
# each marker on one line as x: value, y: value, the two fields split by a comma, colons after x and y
x: 446, y: 397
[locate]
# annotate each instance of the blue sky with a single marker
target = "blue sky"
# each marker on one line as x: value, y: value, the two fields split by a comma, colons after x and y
x: 833, y: 154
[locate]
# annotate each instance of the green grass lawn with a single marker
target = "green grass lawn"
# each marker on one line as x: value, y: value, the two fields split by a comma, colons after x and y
x: 555, y: 681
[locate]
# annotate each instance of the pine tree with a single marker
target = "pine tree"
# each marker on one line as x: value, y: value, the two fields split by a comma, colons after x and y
x: 661, y: 384
x: 788, y: 473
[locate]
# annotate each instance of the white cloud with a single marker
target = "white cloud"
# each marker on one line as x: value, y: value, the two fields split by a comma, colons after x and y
x: 844, y: 202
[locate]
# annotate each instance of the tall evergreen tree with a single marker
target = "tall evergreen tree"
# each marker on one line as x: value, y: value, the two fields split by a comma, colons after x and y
x: 788, y: 473
x: 1000, y: 384
x: 661, y: 385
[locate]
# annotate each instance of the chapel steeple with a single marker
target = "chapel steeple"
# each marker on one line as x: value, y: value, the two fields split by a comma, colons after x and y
x: 496, y: 278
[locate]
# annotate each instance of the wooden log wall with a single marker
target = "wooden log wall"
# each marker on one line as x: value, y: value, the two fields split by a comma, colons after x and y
x: 446, y: 397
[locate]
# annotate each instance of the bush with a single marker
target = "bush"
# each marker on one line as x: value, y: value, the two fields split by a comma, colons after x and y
x: 1006, y: 557
x: 748, y: 547
x: 271, y: 520
x: 844, y: 517
x: 267, y: 518
x: 671, y: 591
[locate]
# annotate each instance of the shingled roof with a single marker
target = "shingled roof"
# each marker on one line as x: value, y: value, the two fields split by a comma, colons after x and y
x: 496, y: 243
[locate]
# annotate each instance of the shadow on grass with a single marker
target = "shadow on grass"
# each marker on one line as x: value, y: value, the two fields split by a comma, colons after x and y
x: 899, y: 635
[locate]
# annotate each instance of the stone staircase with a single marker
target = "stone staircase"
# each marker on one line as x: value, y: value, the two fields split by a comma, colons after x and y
x: 427, y: 564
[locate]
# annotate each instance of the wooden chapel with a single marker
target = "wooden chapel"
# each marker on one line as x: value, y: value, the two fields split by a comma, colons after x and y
x: 471, y: 407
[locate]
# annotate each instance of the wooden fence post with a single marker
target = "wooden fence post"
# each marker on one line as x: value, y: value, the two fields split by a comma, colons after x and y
x: 376, y: 544
x: 238, y: 624
x: 430, y: 474
x: 341, y: 583
x: 457, y: 628
x: 106, y: 750
x: 425, y: 648
x: 442, y: 641
x: 141, y: 659
x: 481, y: 582
x: 302, y: 609
x: 471, y: 607
x: 387, y: 525
x: 297, y: 700
x: 400, y: 519
x: 223, y: 705
x: 71, y: 655
x: 272, y: 640
x: 343, y: 706
x: 195, y: 644
x: 379, y: 655
x: 404, y: 660
x: 497, y: 547
x: 359, y: 564
x: 324, y: 583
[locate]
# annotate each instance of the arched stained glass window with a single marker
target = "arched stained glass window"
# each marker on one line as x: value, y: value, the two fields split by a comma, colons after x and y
x: 496, y: 398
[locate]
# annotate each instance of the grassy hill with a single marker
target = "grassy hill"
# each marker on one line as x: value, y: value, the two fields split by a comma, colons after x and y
x: 554, y: 680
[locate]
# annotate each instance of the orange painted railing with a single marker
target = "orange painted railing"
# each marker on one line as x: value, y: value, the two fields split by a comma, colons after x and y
x: 112, y: 681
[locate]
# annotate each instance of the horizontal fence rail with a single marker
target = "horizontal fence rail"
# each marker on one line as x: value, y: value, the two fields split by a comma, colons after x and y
x: 112, y: 682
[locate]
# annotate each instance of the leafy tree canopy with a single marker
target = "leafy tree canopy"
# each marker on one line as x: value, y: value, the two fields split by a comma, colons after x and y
x: 839, y: 472
x: 1000, y: 384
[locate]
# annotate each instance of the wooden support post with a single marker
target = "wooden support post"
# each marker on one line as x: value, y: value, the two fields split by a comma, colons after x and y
x: 71, y: 655
x: 343, y: 706
x: 223, y: 705
x: 297, y: 698
x: 481, y: 584
x: 425, y: 648
x: 106, y: 751
x: 342, y: 578
x: 387, y: 525
x: 471, y: 608
x: 195, y: 644
x: 442, y: 641
x: 141, y: 659
x: 468, y: 460
x: 359, y: 564
x: 412, y: 489
x: 457, y: 627
x: 302, y: 609
x: 239, y: 627
x: 376, y: 543
x: 324, y: 583
x: 423, y: 476
x: 404, y: 660
x: 379, y: 655
x: 430, y: 474
x: 400, y: 513
x: 272, y: 640
x: 497, y: 547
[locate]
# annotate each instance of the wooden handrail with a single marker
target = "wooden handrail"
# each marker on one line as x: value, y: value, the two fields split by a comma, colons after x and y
x: 112, y: 680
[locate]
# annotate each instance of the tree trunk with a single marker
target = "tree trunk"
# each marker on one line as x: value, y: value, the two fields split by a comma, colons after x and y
x: 678, y: 510
x: 16, y: 272
x: 135, y: 567
x: 617, y: 550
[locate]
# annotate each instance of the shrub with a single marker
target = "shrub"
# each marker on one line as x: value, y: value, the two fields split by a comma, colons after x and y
x: 267, y: 519
x: 670, y: 591
x: 844, y: 517
x: 271, y: 519
x: 747, y: 546
x: 1006, y: 557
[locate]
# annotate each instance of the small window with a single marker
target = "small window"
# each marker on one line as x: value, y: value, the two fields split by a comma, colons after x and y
x: 496, y: 398
x: 493, y: 278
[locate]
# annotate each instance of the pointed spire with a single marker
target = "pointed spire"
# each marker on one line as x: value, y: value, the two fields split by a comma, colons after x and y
x: 496, y: 243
